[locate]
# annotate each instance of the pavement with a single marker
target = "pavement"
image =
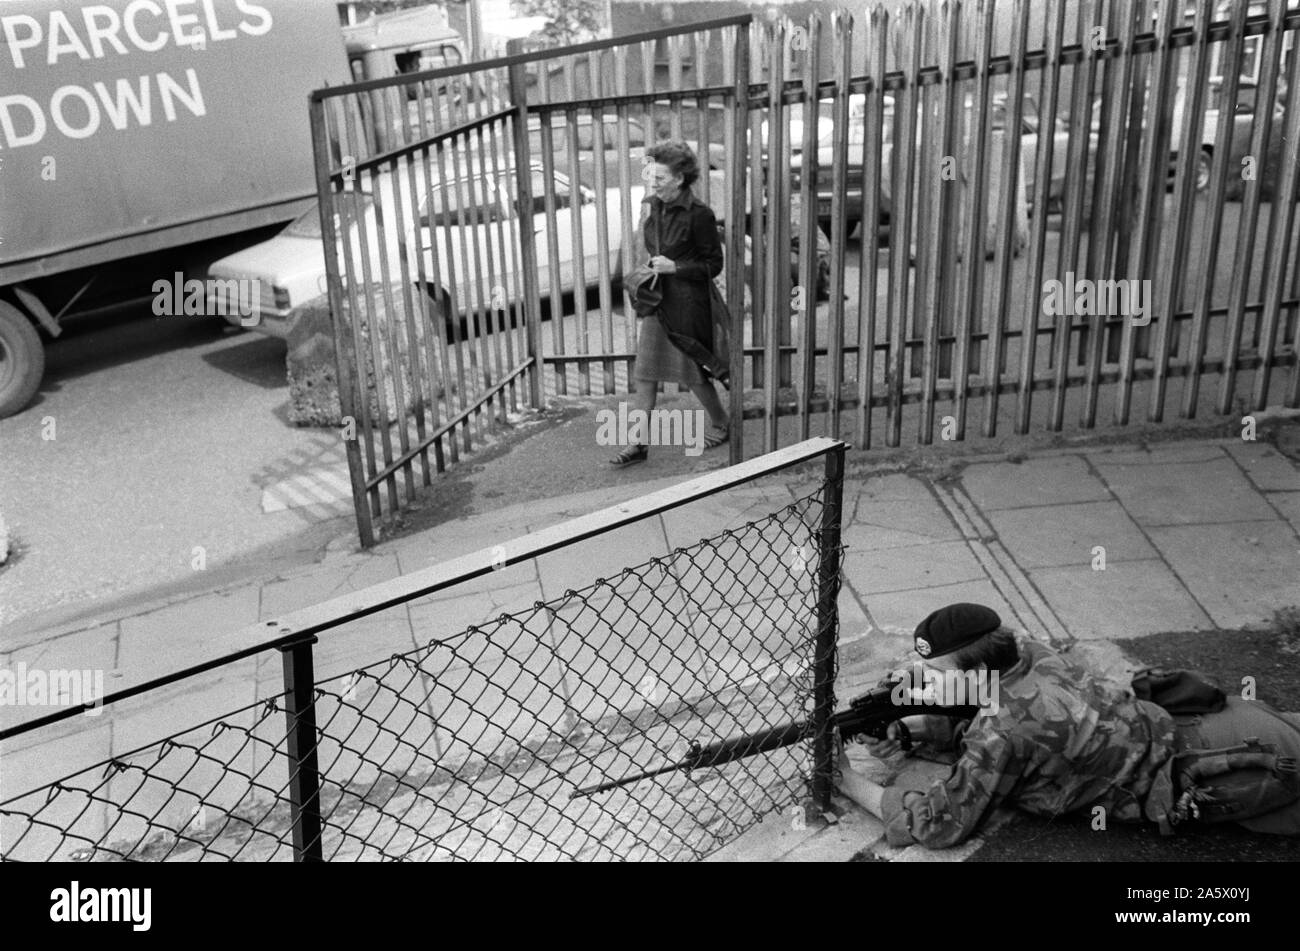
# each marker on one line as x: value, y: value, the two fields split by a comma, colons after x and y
x: 1081, y: 545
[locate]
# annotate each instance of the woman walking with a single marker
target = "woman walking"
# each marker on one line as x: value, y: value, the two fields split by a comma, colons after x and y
x: 679, y: 237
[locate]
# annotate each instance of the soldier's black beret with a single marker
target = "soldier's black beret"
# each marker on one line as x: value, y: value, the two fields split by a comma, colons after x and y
x: 953, y: 627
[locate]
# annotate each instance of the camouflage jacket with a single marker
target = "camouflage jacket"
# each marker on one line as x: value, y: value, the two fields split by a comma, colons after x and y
x: 1061, y: 739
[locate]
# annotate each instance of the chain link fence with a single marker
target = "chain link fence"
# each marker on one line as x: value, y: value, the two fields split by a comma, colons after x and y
x: 476, y: 746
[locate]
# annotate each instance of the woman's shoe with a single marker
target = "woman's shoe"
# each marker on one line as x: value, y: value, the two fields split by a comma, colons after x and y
x: 630, y: 456
x: 716, y: 436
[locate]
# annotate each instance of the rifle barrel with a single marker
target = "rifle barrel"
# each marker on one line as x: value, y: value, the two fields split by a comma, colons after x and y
x: 615, y: 783
x: 715, y: 754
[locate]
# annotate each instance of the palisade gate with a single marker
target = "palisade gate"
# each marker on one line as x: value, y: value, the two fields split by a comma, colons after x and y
x: 1040, y: 216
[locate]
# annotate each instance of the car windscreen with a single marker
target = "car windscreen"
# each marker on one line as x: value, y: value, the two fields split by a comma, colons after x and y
x: 478, y: 201
x: 307, y: 225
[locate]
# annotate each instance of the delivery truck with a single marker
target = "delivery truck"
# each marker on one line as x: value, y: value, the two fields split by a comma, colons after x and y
x: 141, y: 140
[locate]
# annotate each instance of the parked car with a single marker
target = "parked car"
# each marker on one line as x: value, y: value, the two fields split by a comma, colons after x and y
x: 1244, y: 113
x: 1029, y: 138
x: 291, y: 266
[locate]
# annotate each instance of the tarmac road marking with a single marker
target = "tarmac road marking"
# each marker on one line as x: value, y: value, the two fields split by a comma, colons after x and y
x: 315, y: 487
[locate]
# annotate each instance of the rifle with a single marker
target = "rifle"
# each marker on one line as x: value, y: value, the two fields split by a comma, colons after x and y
x: 868, y: 715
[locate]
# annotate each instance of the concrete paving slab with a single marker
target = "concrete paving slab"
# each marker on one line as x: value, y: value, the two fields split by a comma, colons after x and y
x: 1149, y: 598
x: 1050, y: 480
x: 1067, y: 534
x: 855, y: 831
x: 707, y: 518
x: 898, y: 523
x: 855, y: 623
x: 1241, y: 574
x: 753, y: 566
x: 205, y: 763
x: 604, y: 556
x: 1288, y: 503
x: 176, y: 636
x: 865, y: 661
x: 569, y: 506
x: 184, y: 705
x: 484, y: 712
x: 94, y: 650
x: 1160, y: 454
x: 620, y: 656
x: 365, y: 743
x: 751, y: 644
x: 903, y: 610
x: 31, y: 768
x: 884, y: 487
x: 778, y: 834
x: 95, y: 647
x: 418, y: 558
x: 345, y: 575
x: 363, y: 643
x: 1267, y: 468
x: 907, y: 569
x: 447, y: 614
x: 1184, y: 493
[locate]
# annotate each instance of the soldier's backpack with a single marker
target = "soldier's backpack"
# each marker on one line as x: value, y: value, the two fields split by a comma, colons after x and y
x: 1178, y: 692
x: 1223, y: 785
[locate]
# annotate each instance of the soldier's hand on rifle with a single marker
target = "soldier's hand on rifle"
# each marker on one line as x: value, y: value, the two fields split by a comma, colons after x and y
x: 883, y: 749
x: 919, y: 728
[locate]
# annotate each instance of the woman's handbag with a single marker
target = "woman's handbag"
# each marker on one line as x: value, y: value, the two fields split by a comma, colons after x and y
x: 643, y: 281
x: 647, y: 296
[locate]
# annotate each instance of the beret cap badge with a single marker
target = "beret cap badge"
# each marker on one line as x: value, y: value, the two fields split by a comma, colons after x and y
x: 953, y: 627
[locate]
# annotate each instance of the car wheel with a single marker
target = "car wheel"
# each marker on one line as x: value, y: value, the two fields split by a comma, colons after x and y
x: 22, y: 360
x: 1204, y: 162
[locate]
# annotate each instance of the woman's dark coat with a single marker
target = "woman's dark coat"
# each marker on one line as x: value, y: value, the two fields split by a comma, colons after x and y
x: 685, y: 231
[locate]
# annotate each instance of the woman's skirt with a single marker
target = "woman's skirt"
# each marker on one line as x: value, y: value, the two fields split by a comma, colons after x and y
x: 658, y: 361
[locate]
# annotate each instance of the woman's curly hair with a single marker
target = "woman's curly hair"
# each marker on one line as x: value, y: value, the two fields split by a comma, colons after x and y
x: 678, y: 157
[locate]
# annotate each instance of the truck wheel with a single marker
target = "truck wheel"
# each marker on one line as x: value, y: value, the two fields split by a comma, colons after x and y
x: 22, y: 360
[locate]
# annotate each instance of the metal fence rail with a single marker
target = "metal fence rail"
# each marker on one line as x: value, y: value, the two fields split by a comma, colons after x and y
x: 471, y: 746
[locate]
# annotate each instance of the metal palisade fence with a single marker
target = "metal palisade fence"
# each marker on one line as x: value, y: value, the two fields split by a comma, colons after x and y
x: 490, y: 741
x: 466, y: 209
x: 1039, y: 216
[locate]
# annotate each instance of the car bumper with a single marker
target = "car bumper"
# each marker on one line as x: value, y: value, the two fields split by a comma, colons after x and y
x: 273, y: 323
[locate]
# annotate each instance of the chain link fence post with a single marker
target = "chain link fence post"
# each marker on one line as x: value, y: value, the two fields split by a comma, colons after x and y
x: 828, y: 590
x: 300, y: 748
